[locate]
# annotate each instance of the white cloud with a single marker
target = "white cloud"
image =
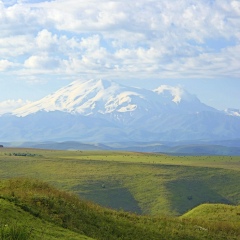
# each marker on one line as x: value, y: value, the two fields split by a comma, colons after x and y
x: 42, y: 62
x: 46, y: 40
x: 10, y: 105
x: 121, y: 38
x: 16, y: 45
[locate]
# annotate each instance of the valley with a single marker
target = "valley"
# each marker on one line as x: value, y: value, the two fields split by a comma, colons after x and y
x: 139, y: 182
x: 152, y: 190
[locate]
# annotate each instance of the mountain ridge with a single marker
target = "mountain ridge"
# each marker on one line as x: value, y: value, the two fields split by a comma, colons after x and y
x: 105, y: 97
x: 104, y: 111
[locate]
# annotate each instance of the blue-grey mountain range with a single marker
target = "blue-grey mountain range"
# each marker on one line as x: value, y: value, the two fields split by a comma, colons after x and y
x: 103, y: 111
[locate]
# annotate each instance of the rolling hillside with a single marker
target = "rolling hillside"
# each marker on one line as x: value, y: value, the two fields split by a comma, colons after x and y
x: 32, y: 209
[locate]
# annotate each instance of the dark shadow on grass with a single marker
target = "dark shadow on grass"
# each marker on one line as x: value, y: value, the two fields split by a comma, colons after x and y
x: 187, y: 194
x: 108, y: 194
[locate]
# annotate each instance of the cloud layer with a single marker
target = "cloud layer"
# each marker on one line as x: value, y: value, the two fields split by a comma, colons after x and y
x: 120, y: 39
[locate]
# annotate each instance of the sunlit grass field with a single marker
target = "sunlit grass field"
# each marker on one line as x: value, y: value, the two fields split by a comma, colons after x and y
x: 143, y: 183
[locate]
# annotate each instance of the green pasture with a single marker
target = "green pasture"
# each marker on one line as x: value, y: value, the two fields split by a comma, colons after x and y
x: 32, y: 209
x: 143, y: 183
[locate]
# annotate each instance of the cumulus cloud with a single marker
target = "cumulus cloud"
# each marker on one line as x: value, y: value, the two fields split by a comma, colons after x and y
x: 42, y: 62
x: 9, y: 105
x: 121, y: 38
x: 46, y: 40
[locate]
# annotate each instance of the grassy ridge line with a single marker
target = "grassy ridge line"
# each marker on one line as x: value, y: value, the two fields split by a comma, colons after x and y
x: 47, y: 204
x: 215, y: 212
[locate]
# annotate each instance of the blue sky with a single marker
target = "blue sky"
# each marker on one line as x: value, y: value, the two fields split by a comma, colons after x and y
x: 45, y: 45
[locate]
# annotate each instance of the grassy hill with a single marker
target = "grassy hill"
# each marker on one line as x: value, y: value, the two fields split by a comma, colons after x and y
x: 212, y: 216
x: 215, y: 212
x: 36, y: 210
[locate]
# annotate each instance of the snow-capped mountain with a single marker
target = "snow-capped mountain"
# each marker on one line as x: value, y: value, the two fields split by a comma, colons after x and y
x: 92, y: 97
x: 100, y: 111
x: 103, y: 97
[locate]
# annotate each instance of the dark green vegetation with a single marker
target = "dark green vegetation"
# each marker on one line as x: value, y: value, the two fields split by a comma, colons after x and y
x: 149, y: 184
x: 43, y: 212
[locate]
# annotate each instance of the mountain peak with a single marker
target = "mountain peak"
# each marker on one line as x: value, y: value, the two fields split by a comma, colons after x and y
x: 104, y: 83
x: 94, y: 97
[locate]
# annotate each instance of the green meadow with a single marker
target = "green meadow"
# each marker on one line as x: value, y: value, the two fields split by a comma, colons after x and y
x: 190, y: 197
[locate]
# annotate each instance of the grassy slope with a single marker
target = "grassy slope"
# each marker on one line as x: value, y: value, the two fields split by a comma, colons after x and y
x: 215, y: 212
x: 138, y: 182
x: 211, y: 216
x: 14, y: 217
x: 46, y: 209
